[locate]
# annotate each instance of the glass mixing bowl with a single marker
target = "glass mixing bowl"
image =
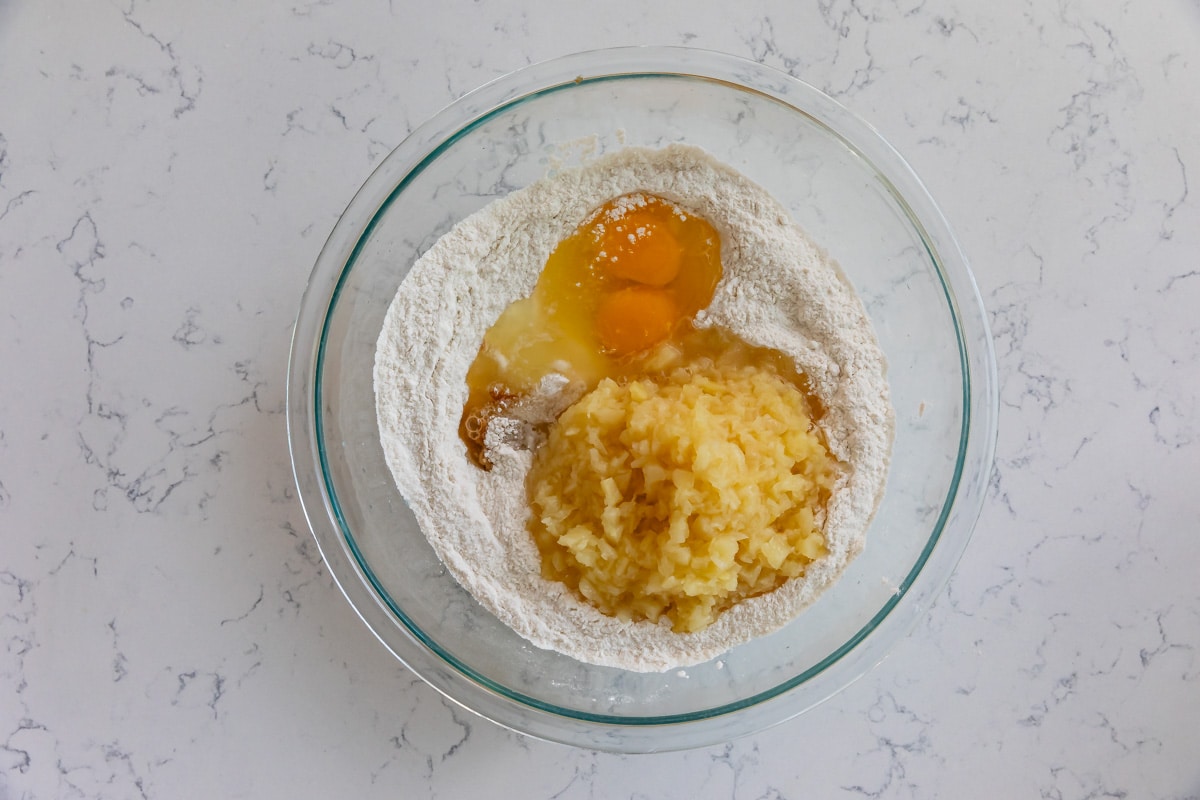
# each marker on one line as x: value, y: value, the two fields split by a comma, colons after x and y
x: 853, y: 194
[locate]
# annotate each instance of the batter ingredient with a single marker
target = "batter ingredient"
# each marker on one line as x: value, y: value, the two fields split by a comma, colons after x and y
x: 632, y: 275
x: 691, y: 482
x: 679, y: 496
x: 778, y: 291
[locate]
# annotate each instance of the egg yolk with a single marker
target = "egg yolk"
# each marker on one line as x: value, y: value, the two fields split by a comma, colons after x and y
x: 640, y: 247
x: 634, y: 319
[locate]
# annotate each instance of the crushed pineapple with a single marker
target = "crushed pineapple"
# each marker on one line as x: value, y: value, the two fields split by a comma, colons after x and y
x: 683, y: 495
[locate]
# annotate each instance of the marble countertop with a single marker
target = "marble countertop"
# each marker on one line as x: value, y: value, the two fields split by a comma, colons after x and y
x: 168, y: 173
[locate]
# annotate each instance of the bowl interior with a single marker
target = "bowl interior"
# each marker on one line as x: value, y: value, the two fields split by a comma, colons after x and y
x: 846, y: 205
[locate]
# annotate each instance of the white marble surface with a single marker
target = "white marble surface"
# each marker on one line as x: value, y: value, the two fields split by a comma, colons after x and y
x: 168, y: 172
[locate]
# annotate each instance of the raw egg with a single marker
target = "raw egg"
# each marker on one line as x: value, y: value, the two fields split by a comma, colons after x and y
x: 626, y: 282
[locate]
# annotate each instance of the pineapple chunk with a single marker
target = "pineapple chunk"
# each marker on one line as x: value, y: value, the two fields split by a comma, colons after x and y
x: 681, y: 497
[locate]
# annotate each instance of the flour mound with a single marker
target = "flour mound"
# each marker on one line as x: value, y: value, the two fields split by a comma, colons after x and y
x: 779, y: 290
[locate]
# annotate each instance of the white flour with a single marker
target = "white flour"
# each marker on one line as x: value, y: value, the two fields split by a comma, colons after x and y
x: 779, y: 290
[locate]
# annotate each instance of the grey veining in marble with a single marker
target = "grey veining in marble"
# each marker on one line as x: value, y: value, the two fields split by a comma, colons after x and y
x: 168, y: 173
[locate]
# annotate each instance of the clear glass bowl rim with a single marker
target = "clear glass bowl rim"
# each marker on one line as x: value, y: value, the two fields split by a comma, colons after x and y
x: 528, y: 715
